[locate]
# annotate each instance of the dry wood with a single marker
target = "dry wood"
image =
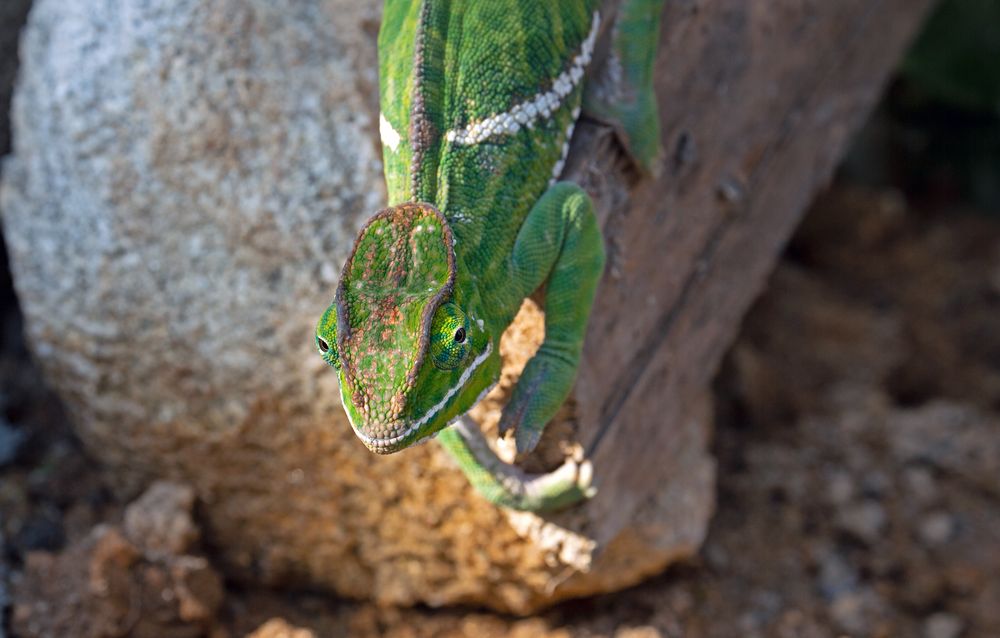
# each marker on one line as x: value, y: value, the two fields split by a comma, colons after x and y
x: 758, y: 101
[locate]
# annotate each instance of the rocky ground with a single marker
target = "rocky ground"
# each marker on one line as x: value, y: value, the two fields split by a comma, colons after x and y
x: 858, y: 439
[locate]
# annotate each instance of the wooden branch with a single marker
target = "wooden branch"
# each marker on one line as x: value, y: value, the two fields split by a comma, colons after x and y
x: 758, y: 101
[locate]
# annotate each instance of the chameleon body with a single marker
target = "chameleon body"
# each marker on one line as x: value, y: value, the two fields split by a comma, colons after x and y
x: 479, y: 99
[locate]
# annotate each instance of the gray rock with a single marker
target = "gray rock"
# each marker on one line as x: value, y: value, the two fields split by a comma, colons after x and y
x: 848, y: 613
x: 865, y: 520
x: 178, y: 203
x: 160, y: 523
x: 920, y: 484
x: 836, y: 576
x: 936, y: 528
x: 840, y: 487
x: 875, y: 484
x: 955, y: 437
x: 943, y: 625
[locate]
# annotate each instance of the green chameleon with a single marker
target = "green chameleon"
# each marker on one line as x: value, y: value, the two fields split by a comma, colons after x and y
x: 479, y: 99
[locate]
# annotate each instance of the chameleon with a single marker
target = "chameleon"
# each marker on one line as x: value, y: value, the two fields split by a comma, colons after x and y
x: 479, y: 100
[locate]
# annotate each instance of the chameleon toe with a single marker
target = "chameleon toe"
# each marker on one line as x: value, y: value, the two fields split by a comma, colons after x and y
x: 527, y: 439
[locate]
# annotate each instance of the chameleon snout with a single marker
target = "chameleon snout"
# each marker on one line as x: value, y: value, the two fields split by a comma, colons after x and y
x: 386, y: 437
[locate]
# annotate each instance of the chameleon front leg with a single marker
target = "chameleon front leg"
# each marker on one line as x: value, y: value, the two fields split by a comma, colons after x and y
x: 507, y: 485
x: 559, y: 245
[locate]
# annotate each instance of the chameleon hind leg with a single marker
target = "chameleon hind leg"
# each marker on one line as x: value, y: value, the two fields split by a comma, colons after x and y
x: 622, y: 94
x: 559, y: 245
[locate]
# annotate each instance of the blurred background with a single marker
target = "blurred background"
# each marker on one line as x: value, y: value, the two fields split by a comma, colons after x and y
x: 857, y: 429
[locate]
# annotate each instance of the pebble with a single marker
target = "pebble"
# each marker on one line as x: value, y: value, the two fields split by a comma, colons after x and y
x: 937, y: 528
x: 836, y: 576
x: 866, y: 521
x: 840, y: 488
x: 717, y: 556
x: 848, y: 613
x: 42, y: 531
x: 11, y: 440
x: 876, y: 483
x: 920, y: 483
x: 943, y: 625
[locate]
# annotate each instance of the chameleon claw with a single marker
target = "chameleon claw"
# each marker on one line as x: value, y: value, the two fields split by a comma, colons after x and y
x: 506, y: 424
x: 521, y: 412
x: 527, y: 439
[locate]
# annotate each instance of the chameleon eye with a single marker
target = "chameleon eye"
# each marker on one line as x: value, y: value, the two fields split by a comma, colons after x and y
x: 449, y: 337
x: 326, y: 337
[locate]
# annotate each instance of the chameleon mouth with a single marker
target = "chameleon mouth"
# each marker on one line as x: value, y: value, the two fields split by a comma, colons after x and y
x: 388, y: 445
x: 396, y: 442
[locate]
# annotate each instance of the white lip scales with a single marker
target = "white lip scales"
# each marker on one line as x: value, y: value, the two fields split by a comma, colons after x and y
x: 372, y: 441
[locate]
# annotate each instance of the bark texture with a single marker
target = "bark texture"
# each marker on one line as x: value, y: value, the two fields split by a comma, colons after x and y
x: 187, y: 179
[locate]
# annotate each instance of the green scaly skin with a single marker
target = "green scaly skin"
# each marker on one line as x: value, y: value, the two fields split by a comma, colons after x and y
x: 479, y: 99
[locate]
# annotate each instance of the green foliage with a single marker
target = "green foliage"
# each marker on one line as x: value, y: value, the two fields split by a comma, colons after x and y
x: 956, y: 60
x: 936, y: 136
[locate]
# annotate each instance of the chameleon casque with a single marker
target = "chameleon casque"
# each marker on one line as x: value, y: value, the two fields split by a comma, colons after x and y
x: 479, y: 99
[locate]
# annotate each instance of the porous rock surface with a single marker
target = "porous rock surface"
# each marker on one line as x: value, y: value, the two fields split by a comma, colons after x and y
x: 186, y: 181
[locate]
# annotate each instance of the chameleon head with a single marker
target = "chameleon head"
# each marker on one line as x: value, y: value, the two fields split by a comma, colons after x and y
x: 411, y: 354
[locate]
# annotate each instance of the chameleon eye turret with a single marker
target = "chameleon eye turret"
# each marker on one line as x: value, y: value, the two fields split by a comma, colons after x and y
x: 449, y: 337
x: 326, y: 338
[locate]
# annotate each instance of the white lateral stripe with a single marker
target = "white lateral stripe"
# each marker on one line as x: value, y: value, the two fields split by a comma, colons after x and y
x: 388, y: 134
x: 542, y: 105
x: 416, y: 425
x: 458, y: 386
x: 557, y: 168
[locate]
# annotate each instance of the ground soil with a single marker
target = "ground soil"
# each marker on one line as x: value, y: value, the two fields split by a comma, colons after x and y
x: 858, y: 440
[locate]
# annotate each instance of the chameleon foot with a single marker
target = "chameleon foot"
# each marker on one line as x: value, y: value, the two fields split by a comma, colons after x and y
x: 507, y: 485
